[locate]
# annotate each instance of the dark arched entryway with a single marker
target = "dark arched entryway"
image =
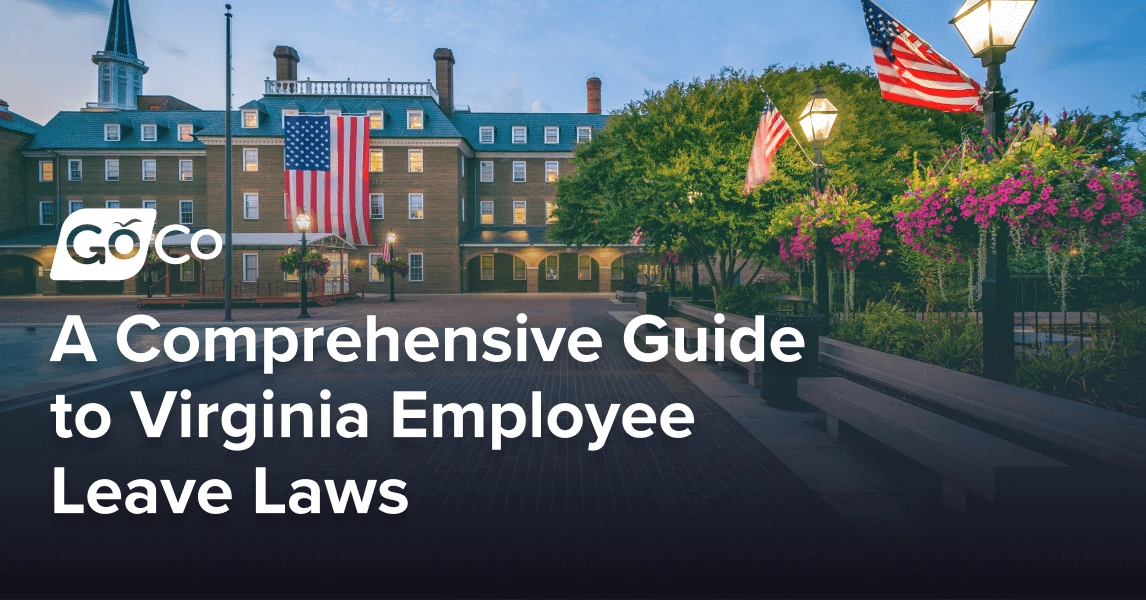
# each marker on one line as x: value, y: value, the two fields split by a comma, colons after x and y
x: 496, y: 273
x: 18, y: 275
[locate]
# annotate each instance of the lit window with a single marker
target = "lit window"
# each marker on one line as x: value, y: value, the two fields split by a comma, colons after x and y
x: 518, y: 269
x: 74, y: 205
x: 47, y: 213
x: 376, y: 118
x: 618, y: 270
x: 111, y: 132
x: 551, y: 171
x: 186, y: 132
x: 487, y: 212
x: 415, y: 262
x: 584, y: 134
x: 550, y: 208
x: 250, y: 160
x: 415, y: 161
x: 486, y: 168
x: 552, y: 135
x: 186, y: 170
x: 519, y: 135
x: 186, y: 212
x: 150, y: 204
x: 149, y: 169
x: 111, y: 169
x: 584, y: 267
x: 250, y: 119
x: 551, y: 269
x: 251, y: 207
x: 375, y: 273
x: 289, y: 112
x: 377, y: 206
x: 148, y: 132
x: 111, y: 204
x: 47, y: 170
x: 250, y: 267
x: 75, y: 170
x: 416, y: 212
x: 519, y: 171
x: 487, y: 267
x: 415, y: 119
x: 375, y: 161
x: 187, y: 271
x: 519, y: 212
x: 485, y: 135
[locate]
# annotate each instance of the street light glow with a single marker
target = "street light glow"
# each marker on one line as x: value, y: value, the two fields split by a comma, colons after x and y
x: 819, y: 117
x: 391, y: 238
x: 302, y: 221
x: 988, y: 25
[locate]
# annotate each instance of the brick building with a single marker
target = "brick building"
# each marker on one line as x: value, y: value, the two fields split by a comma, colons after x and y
x: 468, y: 195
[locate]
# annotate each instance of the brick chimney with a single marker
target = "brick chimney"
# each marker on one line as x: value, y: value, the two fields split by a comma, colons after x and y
x: 444, y: 69
x: 286, y: 63
x: 593, y: 93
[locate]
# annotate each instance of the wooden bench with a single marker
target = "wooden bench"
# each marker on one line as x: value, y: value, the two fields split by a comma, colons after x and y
x: 755, y: 369
x: 690, y: 332
x: 966, y: 458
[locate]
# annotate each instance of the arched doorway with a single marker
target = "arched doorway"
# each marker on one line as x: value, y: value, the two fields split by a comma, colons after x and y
x: 18, y: 275
x: 568, y: 272
x: 496, y: 273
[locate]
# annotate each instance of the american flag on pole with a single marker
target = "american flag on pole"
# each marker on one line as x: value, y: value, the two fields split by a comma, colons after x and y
x: 386, y: 252
x: 912, y: 72
x: 770, y: 133
x: 327, y: 173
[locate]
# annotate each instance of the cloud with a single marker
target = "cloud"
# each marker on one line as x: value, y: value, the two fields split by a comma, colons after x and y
x: 347, y: 7
x: 509, y: 100
x: 540, y: 106
x: 72, y: 7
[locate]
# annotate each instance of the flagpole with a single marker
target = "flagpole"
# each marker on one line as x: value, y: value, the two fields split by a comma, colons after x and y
x: 228, y: 256
x: 769, y: 99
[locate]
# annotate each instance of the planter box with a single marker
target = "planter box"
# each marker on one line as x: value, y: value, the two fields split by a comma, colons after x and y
x: 626, y: 296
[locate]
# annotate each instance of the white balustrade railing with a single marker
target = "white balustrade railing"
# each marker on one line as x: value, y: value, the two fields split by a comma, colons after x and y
x: 350, y: 88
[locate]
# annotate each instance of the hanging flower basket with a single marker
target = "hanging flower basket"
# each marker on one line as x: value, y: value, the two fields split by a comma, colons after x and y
x: 398, y: 266
x: 836, y: 215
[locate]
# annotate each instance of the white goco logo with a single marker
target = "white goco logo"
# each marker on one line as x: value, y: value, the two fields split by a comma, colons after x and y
x: 111, y: 244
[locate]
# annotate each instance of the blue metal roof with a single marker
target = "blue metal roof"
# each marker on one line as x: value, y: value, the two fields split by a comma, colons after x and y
x: 84, y: 130
x: 20, y: 124
x: 435, y: 122
x: 535, y: 124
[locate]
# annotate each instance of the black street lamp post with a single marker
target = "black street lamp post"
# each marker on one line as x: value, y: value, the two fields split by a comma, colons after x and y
x: 990, y: 28
x: 390, y: 239
x: 228, y: 258
x: 817, y: 120
x: 303, y: 223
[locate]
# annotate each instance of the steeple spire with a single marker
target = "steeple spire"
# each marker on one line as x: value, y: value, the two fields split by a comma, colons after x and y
x: 120, y: 34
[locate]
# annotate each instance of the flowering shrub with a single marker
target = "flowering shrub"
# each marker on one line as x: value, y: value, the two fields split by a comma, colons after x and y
x: 291, y: 259
x: 836, y: 215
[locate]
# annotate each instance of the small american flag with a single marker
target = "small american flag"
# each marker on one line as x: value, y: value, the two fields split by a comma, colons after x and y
x: 770, y: 133
x: 327, y: 173
x: 386, y: 252
x: 912, y: 72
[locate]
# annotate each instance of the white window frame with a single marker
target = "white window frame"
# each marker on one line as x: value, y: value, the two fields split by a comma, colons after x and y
x: 618, y: 273
x: 381, y: 198
x: 587, y: 275
x: 143, y: 169
x: 72, y: 206
x: 288, y: 112
x: 515, y: 172
x: 247, y: 268
x: 247, y: 154
x: 111, y: 132
x: 482, y: 134
x: 556, y: 131
x: 463, y: 165
x: 247, y: 114
x: 183, y: 271
x: 524, y: 212
x: 50, y: 213
x: 51, y: 167
x: 190, y: 172
x: 374, y: 275
x: 420, y: 274
x: 524, y: 268
x: 482, y: 269
x: 483, y: 205
x: 286, y: 206
x: 75, y: 167
x: 183, y: 203
x: 112, y: 204
x: 370, y: 114
x: 486, y: 171
x: 250, y: 199
x: 556, y: 166
x: 190, y: 132
x: 381, y: 160
x: 154, y: 205
x: 519, y: 129
x: 584, y: 134
x: 463, y: 209
x: 410, y: 160
x: 410, y: 118
x: 550, y: 208
x: 421, y: 207
x: 148, y: 127
x: 107, y: 165
x: 556, y: 271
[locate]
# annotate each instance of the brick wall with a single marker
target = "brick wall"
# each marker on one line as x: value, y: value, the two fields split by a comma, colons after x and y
x: 535, y: 191
x: 12, y: 208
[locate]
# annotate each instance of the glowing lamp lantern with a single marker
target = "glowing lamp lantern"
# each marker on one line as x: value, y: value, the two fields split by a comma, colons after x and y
x: 391, y: 238
x: 818, y: 118
x: 302, y: 221
x: 991, y: 27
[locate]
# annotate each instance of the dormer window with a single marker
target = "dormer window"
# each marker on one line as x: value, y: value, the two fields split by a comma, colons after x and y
x: 250, y: 119
x: 111, y: 132
x: 377, y: 119
x: 148, y: 132
x: 552, y: 135
x: 415, y: 119
x: 485, y: 135
x: 186, y: 132
x: 519, y: 135
x: 289, y: 112
x: 584, y: 134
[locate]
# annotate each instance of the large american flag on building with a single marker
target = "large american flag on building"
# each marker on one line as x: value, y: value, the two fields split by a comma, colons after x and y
x: 770, y: 133
x: 327, y: 172
x: 912, y: 72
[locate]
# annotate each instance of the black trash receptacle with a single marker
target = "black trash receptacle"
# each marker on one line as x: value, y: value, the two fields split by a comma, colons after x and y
x: 653, y: 303
x: 778, y: 386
